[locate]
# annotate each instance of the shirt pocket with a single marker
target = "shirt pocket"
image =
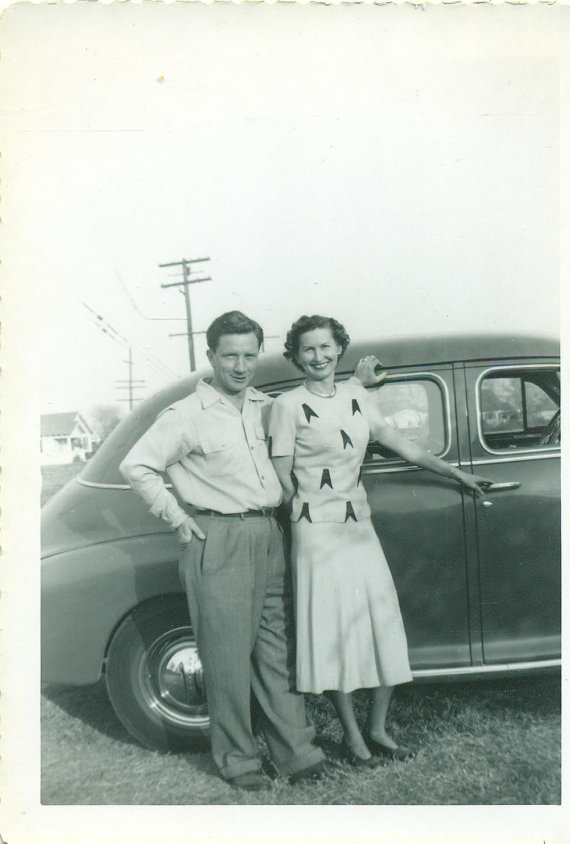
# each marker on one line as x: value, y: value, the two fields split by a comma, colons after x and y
x: 221, y: 452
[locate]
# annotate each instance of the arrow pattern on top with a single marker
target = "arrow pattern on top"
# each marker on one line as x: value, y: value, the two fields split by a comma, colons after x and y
x: 350, y: 514
x: 309, y: 412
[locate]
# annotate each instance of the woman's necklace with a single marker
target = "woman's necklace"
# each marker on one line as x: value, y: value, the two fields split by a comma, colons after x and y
x: 322, y: 395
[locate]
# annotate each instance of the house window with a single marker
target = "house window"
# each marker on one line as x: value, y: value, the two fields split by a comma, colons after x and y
x: 416, y: 408
x: 519, y: 408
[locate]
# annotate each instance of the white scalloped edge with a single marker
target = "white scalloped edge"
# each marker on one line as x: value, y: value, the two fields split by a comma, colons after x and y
x: 4, y: 4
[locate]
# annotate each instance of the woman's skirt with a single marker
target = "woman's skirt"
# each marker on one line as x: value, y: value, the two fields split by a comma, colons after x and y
x: 350, y: 633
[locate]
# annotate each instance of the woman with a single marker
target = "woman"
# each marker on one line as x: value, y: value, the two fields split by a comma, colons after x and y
x: 350, y: 633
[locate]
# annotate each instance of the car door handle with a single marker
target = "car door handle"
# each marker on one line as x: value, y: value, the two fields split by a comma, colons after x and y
x: 502, y: 487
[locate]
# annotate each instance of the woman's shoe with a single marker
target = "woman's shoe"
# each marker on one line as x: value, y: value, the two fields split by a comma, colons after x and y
x: 399, y: 753
x: 357, y: 761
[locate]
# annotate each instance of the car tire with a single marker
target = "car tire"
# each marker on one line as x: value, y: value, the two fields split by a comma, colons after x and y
x: 154, y: 676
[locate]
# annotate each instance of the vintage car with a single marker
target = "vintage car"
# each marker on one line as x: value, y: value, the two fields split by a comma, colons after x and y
x: 478, y: 580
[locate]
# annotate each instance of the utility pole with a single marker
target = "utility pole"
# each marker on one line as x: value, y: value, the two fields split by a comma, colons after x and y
x: 185, y: 284
x: 131, y: 384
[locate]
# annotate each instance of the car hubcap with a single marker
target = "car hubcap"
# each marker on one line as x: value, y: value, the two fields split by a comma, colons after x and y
x: 172, y: 679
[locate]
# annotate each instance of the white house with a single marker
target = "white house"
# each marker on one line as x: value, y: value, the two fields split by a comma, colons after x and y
x: 66, y: 437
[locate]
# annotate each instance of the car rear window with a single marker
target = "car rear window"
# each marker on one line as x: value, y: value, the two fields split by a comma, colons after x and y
x: 519, y: 408
x: 103, y: 467
x: 416, y: 407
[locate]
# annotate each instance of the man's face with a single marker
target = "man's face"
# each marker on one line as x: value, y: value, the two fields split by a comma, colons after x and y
x: 234, y: 362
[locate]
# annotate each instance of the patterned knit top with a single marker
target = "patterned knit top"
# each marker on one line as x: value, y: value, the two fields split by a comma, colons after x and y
x: 327, y: 437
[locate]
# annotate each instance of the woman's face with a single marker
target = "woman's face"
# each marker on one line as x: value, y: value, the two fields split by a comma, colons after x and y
x: 318, y: 353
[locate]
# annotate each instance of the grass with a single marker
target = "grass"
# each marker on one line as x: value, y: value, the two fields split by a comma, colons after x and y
x: 478, y: 743
x: 492, y: 743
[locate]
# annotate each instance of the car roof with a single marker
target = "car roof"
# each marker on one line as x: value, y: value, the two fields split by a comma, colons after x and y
x: 422, y: 351
x: 274, y: 369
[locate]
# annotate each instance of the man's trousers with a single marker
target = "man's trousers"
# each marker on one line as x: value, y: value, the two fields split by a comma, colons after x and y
x: 240, y: 600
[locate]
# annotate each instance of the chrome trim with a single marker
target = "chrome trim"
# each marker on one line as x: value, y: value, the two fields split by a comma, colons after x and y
x: 478, y: 411
x: 492, y: 461
x: 97, y: 485
x: 371, y: 468
x: 431, y: 376
x: 487, y: 669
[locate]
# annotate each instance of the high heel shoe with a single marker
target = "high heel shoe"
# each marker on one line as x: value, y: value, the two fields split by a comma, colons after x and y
x: 357, y: 761
x: 399, y: 753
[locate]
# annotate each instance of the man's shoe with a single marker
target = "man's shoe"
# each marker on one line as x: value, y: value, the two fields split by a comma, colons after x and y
x: 251, y: 781
x: 312, y: 772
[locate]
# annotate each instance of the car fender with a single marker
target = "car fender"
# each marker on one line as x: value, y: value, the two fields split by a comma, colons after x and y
x: 86, y: 592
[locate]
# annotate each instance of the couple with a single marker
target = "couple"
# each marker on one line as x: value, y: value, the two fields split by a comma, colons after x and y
x: 213, y: 446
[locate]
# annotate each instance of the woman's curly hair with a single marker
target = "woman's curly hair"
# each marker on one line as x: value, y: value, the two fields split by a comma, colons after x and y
x: 308, y: 323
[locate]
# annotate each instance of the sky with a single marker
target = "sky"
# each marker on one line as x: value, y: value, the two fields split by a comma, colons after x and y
x: 393, y: 167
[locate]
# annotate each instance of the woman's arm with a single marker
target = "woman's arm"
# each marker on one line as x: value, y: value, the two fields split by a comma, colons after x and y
x: 410, y: 451
x: 283, y: 467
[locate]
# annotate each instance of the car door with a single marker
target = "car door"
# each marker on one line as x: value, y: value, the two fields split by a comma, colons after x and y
x: 418, y: 516
x: 514, y: 413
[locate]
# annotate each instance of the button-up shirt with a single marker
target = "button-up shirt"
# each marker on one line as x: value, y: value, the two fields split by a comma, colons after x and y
x: 215, y: 456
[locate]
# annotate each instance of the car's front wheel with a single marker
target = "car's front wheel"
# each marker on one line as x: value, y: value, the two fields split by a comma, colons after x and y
x: 154, y: 676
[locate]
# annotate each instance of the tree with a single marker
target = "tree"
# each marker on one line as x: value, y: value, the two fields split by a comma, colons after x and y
x: 104, y: 418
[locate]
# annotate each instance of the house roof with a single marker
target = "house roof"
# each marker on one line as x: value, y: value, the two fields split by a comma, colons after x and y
x: 62, y: 424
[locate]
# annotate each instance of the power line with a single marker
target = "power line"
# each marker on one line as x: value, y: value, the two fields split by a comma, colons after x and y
x: 103, y: 325
x: 138, y: 310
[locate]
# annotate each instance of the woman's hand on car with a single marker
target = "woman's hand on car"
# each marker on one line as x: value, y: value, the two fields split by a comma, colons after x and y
x: 187, y: 530
x: 366, y: 374
x: 475, y: 483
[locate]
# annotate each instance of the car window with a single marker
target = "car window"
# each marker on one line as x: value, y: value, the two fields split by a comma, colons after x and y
x: 519, y: 408
x: 416, y: 408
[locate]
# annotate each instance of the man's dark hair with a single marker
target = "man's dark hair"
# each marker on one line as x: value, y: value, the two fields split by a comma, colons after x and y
x: 232, y: 322
x: 308, y: 323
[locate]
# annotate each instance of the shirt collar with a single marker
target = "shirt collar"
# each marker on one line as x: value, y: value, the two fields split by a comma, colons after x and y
x: 208, y: 395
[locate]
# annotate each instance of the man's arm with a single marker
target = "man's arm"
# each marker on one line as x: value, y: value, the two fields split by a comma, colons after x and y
x: 165, y: 443
x: 283, y: 467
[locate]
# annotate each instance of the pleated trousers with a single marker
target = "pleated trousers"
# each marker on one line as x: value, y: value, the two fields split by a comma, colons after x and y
x: 239, y: 594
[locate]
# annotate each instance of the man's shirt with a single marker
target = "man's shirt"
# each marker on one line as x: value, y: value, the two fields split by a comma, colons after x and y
x: 215, y: 456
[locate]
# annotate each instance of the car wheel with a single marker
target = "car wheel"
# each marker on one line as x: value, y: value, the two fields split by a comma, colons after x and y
x: 154, y: 676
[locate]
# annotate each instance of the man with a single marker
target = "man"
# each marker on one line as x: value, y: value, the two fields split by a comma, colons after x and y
x: 212, y: 445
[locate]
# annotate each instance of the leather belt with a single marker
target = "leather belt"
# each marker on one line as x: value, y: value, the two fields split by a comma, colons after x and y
x: 247, y: 514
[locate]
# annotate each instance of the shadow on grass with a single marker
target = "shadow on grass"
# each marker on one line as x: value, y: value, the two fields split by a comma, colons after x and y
x: 434, y: 703
x: 419, y: 708
x: 539, y: 695
x: 91, y: 706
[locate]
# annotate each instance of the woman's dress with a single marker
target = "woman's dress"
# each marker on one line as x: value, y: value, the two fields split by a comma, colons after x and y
x: 350, y: 633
